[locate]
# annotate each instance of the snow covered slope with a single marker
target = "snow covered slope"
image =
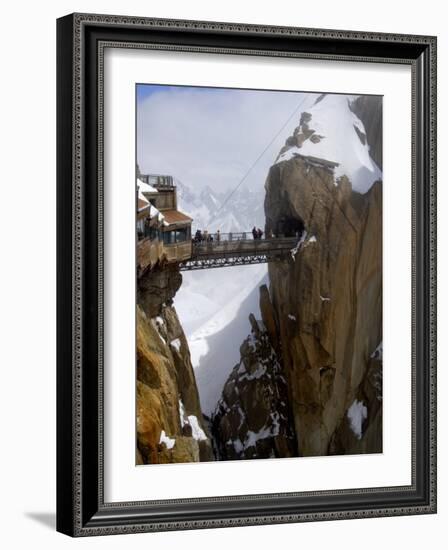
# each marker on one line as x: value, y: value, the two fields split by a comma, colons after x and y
x: 213, y: 307
x: 329, y: 130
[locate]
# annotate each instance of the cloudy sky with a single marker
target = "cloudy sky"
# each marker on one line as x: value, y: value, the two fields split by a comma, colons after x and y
x: 212, y: 136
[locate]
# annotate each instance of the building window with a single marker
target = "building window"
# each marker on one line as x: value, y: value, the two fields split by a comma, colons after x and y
x: 168, y: 237
x: 181, y: 235
x: 177, y: 236
x: 153, y: 233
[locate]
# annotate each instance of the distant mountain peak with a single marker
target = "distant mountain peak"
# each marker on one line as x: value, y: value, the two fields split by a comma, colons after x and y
x: 233, y: 211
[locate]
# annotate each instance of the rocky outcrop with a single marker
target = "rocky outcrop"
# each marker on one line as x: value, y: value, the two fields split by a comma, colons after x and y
x: 369, y: 109
x: 328, y: 303
x: 157, y: 288
x: 360, y: 430
x: 268, y: 316
x: 170, y: 426
x: 252, y: 417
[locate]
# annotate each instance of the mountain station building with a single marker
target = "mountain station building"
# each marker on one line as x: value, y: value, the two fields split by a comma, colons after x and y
x: 163, y: 231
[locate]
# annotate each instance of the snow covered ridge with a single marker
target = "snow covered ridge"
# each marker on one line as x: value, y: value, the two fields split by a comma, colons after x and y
x: 330, y: 131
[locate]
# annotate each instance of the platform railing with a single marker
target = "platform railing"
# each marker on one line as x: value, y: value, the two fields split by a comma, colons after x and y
x: 206, y: 237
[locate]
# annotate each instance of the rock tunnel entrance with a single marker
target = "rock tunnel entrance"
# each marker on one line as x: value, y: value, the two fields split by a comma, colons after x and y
x: 288, y: 226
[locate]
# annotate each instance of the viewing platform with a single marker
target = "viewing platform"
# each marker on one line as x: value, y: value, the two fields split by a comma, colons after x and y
x: 164, y: 234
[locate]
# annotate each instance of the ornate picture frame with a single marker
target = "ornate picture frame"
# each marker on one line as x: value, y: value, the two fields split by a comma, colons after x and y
x: 81, y: 43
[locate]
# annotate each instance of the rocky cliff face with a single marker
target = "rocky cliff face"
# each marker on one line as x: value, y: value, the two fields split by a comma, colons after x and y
x: 170, y: 425
x: 328, y: 300
x: 369, y: 109
x: 319, y: 348
x: 252, y: 418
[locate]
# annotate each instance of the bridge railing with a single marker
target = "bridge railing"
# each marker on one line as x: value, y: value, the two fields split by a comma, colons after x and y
x: 225, y: 237
x: 242, y: 247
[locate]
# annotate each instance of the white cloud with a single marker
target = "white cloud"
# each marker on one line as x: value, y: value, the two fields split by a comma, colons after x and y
x: 211, y: 137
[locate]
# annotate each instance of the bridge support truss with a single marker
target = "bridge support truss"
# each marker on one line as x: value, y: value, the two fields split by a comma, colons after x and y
x: 209, y: 262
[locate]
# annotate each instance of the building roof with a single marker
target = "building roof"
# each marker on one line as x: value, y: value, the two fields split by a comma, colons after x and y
x: 142, y: 204
x: 145, y: 187
x: 142, y: 209
x: 174, y: 217
x: 156, y: 214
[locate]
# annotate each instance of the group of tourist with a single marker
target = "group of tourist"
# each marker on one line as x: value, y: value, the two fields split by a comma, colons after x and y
x: 205, y: 236
x: 257, y: 233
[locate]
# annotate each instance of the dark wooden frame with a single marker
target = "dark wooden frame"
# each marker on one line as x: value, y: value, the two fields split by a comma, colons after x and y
x: 81, y: 510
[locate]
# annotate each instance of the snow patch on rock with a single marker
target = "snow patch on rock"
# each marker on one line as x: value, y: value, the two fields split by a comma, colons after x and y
x: 191, y: 420
x: 168, y: 441
x: 176, y: 344
x: 356, y: 415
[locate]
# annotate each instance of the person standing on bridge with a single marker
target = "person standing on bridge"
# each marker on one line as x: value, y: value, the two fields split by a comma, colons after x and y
x: 254, y: 232
x: 259, y: 233
x: 218, y: 236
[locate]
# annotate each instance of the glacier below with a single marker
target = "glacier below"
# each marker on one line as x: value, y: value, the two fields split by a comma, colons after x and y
x: 213, y: 307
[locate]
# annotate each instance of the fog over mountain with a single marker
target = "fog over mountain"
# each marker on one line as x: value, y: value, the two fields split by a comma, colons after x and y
x: 209, y: 138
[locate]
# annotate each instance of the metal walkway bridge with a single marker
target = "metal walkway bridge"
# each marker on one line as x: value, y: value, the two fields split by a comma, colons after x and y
x: 233, y: 249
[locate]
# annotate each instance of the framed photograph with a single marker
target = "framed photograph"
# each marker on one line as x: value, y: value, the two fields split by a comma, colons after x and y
x: 246, y: 274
